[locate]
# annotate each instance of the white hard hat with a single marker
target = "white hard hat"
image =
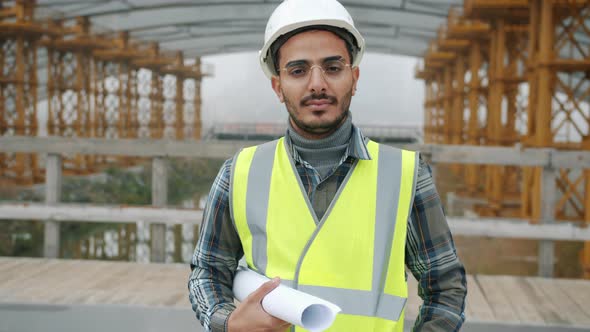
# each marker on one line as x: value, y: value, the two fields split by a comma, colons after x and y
x: 295, y: 14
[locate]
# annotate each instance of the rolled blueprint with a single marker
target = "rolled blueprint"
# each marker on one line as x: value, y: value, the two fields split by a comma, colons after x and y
x: 286, y: 303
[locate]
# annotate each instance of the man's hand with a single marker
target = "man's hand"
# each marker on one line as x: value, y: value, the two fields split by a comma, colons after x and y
x: 249, y: 316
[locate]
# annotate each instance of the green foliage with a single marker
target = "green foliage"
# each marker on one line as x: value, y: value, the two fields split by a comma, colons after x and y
x: 190, y: 178
x: 21, y: 238
x: 117, y: 187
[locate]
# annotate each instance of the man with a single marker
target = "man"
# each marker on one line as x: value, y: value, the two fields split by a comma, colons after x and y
x: 325, y: 209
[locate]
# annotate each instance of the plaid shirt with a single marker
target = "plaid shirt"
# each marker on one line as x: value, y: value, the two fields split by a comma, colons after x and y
x: 430, y: 252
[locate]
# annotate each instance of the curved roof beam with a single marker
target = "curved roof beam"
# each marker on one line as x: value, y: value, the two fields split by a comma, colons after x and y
x: 169, y: 13
x: 253, y: 41
x: 183, y: 31
x: 249, y: 23
x: 396, y: 26
x: 198, y: 27
x: 171, y: 35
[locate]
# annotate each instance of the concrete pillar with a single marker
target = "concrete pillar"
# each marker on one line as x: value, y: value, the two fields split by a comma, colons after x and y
x: 547, y: 248
x: 53, y: 180
x: 159, y: 199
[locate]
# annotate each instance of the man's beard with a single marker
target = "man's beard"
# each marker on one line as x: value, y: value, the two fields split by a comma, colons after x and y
x: 319, y: 128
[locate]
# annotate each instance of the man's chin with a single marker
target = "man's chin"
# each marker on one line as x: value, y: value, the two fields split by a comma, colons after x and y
x: 317, y: 122
x: 319, y: 127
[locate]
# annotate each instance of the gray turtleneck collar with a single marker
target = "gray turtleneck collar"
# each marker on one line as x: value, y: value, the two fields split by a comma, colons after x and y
x: 324, y: 154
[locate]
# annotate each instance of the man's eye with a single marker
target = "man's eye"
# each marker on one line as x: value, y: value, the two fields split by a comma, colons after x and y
x: 333, y: 69
x: 297, y: 71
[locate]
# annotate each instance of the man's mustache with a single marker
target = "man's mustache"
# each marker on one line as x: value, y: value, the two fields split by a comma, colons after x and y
x: 311, y: 97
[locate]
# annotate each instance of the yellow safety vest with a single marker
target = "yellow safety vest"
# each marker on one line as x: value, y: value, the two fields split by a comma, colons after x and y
x: 354, y: 255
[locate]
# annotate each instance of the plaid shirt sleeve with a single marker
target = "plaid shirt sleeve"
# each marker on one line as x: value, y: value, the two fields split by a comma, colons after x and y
x: 432, y: 259
x: 215, y: 258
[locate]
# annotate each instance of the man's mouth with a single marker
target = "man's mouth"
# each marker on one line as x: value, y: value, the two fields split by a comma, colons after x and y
x: 318, y: 103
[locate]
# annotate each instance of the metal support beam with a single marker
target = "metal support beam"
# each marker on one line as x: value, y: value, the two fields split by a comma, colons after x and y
x: 475, y: 226
x: 88, y: 213
x: 53, y: 180
x: 453, y: 154
x: 159, y: 199
x: 472, y: 172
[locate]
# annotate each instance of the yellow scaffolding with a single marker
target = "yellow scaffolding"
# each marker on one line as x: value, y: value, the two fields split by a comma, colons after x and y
x: 525, y: 83
x: 19, y: 36
x: 99, y: 84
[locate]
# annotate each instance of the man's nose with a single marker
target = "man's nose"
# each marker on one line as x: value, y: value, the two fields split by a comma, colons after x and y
x: 317, y: 80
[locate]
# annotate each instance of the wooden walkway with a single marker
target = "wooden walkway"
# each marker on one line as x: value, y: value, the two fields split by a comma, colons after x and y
x: 495, y: 299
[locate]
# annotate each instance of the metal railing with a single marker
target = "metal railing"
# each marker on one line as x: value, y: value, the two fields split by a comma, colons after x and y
x: 263, y: 131
x: 52, y: 212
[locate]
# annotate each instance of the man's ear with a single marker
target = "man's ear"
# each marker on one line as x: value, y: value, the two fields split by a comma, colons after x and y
x: 355, y: 78
x: 276, y: 86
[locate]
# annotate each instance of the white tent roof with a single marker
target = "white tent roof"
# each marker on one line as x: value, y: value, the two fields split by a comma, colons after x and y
x: 205, y: 27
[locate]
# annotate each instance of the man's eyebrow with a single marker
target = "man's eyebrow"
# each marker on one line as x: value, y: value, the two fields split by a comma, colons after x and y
x: 296, y: 63
x: 332, y: 58
x: 306, y: 62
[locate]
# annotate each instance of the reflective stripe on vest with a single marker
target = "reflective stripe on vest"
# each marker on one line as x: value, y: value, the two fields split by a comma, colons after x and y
x: 366, y: 222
